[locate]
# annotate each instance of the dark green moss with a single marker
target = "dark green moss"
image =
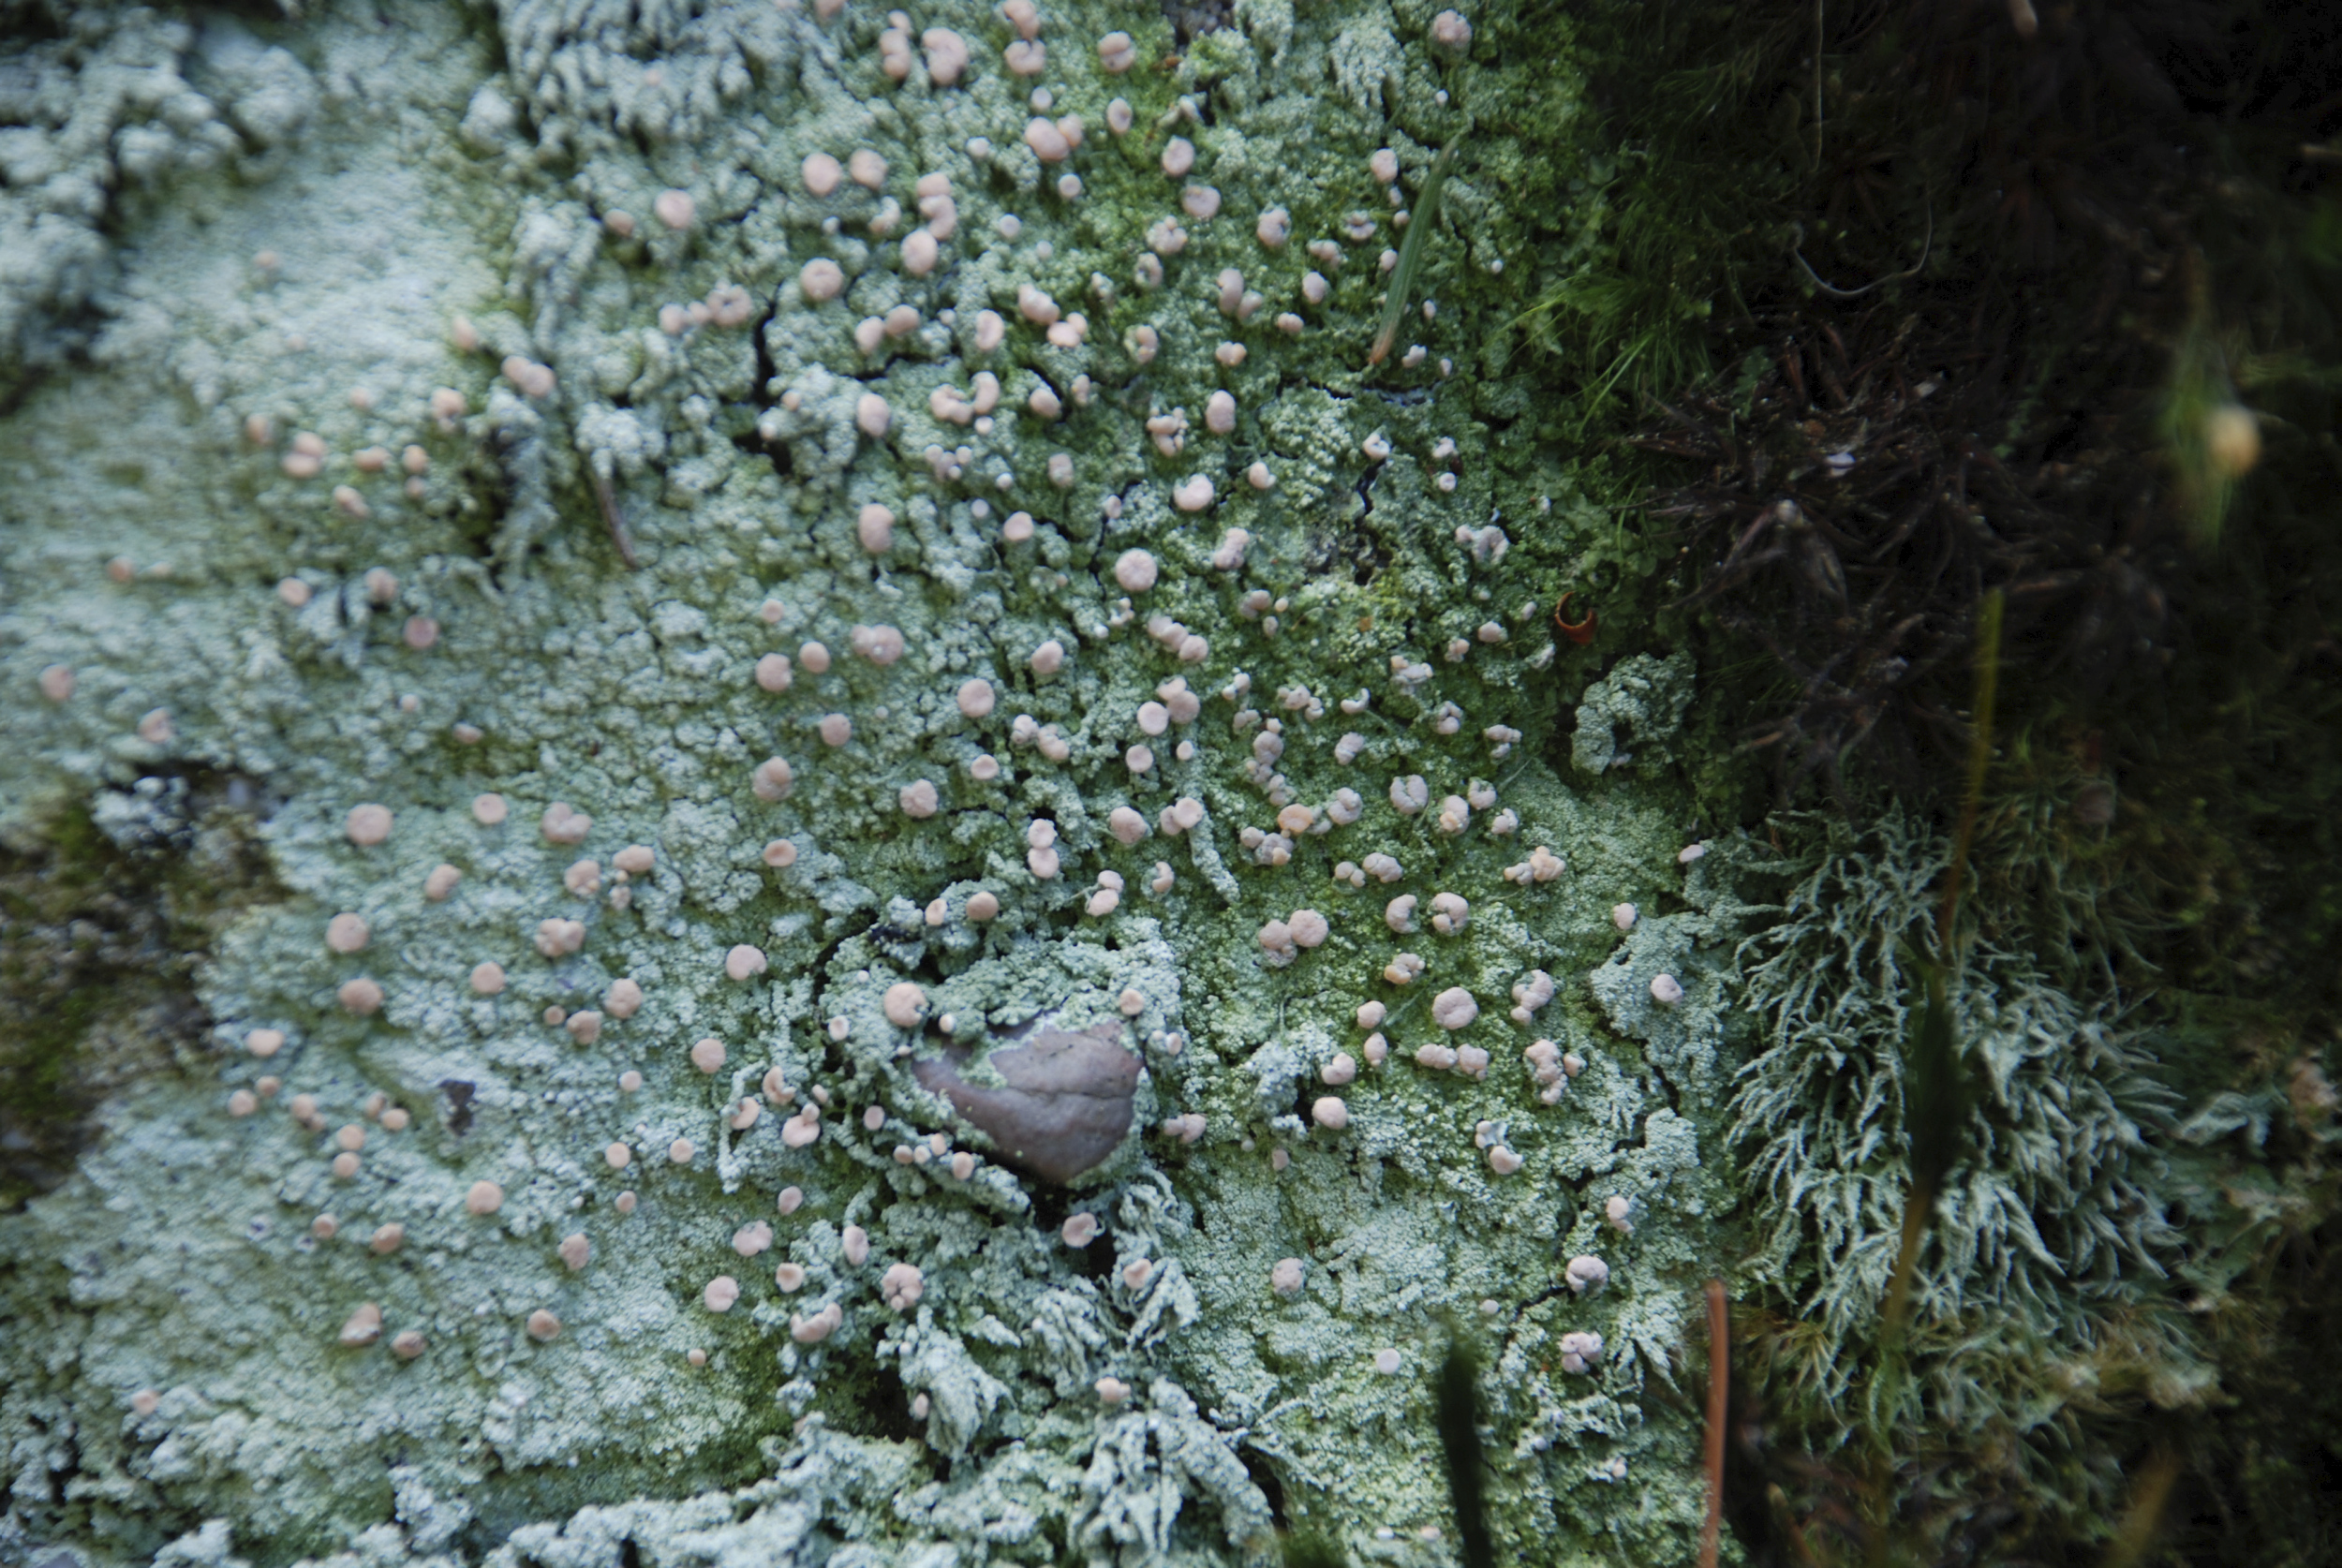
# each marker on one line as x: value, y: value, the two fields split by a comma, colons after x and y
x: 99, y: 942
x: 2082, y: 244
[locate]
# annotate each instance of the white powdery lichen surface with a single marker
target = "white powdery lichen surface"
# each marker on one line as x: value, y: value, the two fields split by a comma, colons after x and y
x: 586, y: 1163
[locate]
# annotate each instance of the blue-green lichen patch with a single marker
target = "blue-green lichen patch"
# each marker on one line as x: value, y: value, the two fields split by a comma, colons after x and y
x: 758, y: 548
x: 2065, y: 1190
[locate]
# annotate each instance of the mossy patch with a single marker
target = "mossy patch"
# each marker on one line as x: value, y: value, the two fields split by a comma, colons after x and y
x: 100, y: 937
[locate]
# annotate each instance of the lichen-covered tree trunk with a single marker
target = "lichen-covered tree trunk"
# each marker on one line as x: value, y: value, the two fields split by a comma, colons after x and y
x: 869, y: 859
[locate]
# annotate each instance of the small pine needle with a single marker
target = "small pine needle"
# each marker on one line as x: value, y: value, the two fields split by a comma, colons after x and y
x: 1410, y: 255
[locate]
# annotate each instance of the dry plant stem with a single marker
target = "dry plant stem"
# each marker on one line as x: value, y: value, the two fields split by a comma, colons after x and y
x: 1916, y: 1210
x: 2137, y: 1531
x: 1778, y: 1501
x: 1919, y: 1203
x: 618, y: 535
x: 1719, y: 1391
x: 1818, y: 5
x: 1980, y: 757
x: 1927, y: 248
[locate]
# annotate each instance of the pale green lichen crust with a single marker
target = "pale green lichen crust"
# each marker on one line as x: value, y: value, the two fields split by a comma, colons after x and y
x: 418, y: 321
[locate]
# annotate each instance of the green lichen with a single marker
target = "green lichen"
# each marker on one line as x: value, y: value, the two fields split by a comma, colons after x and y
x: 1639, y: 705
x: 422, y: 631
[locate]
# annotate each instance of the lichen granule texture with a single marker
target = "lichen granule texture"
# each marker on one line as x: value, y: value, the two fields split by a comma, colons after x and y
x: 728, y: 555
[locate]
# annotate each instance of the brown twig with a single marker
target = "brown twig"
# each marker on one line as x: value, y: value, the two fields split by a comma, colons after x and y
x: 1719, y: 1388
